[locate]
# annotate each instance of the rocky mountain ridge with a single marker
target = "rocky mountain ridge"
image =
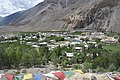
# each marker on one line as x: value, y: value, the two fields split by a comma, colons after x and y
x: 66, y: 15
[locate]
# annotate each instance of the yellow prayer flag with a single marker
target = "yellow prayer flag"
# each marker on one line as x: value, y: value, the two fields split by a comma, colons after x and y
x: 27, y: 76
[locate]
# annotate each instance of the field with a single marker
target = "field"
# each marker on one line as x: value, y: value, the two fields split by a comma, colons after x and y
x: 112, y: 47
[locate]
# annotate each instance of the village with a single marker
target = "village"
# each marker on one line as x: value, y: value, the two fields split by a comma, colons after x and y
x: 80, y: 41
x: 54, y: 39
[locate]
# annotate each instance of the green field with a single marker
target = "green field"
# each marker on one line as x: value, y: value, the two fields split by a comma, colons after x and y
x: 112, y: 47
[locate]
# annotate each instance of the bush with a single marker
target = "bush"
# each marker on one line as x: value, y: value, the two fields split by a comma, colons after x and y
x: 111, y: 67
x: 77, y: 66
x: 16, y: 73
x: 118, y: 70
x: 54, y: 38
x: 100, y: 69
x: 64, y: 63
x: 87, y: 65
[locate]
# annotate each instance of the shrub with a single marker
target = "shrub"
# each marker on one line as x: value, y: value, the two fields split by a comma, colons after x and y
x: 87, y: 65
x: 111, y: 67
x: 77, y: 66
x: 100, y: 69
x: 118, y: 70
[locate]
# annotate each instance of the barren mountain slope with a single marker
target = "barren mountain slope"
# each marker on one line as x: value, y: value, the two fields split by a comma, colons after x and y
x: 66, y: 15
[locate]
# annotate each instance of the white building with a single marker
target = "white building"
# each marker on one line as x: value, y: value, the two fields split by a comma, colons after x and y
x: 69, y: 55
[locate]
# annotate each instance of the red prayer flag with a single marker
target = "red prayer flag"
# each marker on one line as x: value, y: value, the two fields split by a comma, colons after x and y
x: 9, y: 76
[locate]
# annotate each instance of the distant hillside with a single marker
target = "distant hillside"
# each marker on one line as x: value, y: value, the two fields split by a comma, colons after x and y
x: 1, y: 18
x: 66, y: 15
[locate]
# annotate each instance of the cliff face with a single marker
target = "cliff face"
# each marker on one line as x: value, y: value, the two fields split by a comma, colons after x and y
x: 103, y: 15
x: 66, y: 15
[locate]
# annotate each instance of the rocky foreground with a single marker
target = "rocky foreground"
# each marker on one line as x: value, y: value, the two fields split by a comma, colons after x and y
x: 41, y: 74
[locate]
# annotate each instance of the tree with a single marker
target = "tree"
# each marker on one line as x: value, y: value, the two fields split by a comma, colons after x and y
x: 3, y: 60
x: 115, y: 58
x: 64, y: 62
x: 119, y: 39
x: 23, y: 35
x: 112, y: 67
x: 10, y: 56
x: 26, y: 60
x: 55, y: 55
x: 101, y: 61
x: 87, y: 65
x: 79, y: 57
x: 97, y: 40
x: 38, y: 36
x: 46, y: 53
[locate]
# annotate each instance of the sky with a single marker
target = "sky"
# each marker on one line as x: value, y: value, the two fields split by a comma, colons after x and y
x: 8, y: 7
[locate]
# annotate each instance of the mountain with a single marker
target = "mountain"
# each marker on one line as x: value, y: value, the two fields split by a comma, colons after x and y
x: 1, y: 17
x: 66, y: 15
x: 8, y: 7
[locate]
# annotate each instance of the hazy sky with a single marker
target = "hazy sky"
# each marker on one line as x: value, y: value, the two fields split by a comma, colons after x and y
x: 8, y: 7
